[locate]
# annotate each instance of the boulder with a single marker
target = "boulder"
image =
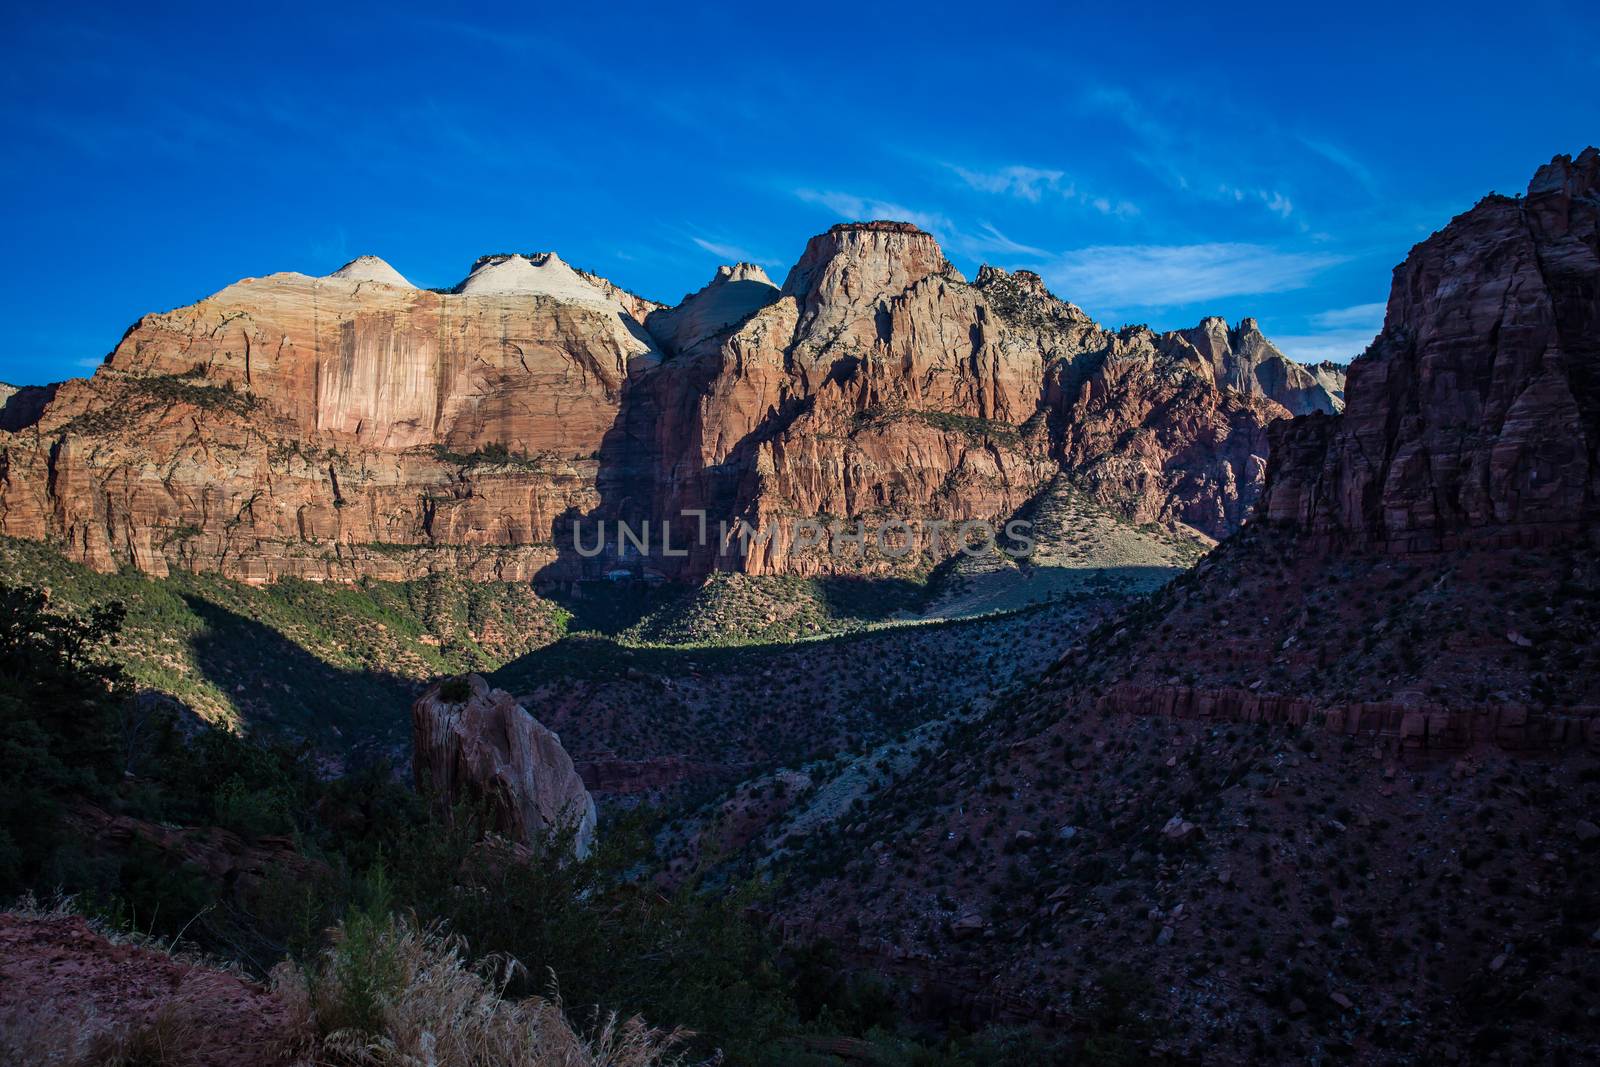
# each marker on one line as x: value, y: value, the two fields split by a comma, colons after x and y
x: 1178, y: 830
x: 968, y: 926
x: 475, y: 745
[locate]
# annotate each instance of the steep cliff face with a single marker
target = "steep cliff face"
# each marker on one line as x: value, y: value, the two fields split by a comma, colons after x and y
x: 357, y: 425
x: 1475, y: 416
x: 1143, y: 423
x: 532, y: 357
x: 334, y: 427
x: 1379, y: 596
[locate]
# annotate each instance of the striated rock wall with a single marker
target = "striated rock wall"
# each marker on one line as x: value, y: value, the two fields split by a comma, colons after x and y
x: 1381, y: 597
x: 354, y: 425
x: 1475, y: 416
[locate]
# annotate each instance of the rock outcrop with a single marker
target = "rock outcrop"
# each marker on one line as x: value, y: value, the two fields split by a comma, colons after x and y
x: 354, y: 425
x: 1475, y: 416
x: 734, y: 294
x: 1426, y: 587
x: 478, y: 747
x: 1242, y: 358
x: 1427, y: 558
x: 22, y: 406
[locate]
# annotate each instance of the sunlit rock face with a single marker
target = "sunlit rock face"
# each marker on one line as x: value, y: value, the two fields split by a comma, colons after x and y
x: 357, y: 425
x: 478, y: 750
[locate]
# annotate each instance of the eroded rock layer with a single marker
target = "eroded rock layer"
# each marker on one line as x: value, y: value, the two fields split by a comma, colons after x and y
x: 355, y: 425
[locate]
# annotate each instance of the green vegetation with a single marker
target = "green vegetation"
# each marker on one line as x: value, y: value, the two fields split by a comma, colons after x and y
x: 739, y: 609
x: 185, y: 389
x: 496, y: 454
x: 387, y: 873
x: 60, y: 706
x: 142, y: 394
x: 978, y: 429
x: 312, y: 658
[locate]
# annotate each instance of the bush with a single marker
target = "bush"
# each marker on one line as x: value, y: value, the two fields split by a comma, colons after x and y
x: 252, y: 812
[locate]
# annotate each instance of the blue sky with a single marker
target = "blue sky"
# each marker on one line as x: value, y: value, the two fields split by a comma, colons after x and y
x: 1155, y: 164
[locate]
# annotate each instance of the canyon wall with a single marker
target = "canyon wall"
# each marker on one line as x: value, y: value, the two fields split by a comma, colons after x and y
x: 355, y: 425
x: 1475, y: 416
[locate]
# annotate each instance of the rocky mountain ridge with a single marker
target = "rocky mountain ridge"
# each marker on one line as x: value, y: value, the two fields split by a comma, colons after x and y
x: 355, y: 425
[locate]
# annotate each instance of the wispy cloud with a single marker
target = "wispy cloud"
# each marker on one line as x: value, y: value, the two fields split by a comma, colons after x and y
x: 1334, y: 346
x: 1271, y: 199
x: 1361, y: 316
x: 1028, y: 183
x: 990, y: 240
x: 1344, y: 161
x: 1151, y: 276
x: 865, y: 208
x: 727, y: 251
x: 1339, y: 334
x: 1133, y: 115
x: 1035, y: 184
x: 977, y: 242
x: 1185, y: 153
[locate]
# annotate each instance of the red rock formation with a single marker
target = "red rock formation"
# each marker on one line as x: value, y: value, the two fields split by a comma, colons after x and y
x: 356, y: 425
x: 486, y: 749
x: 1146, y: 428
x: 1379, y: 596
x: 1245, y: 360
x: 1475, y: 416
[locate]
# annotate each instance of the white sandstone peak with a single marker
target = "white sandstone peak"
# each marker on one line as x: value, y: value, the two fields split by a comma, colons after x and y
x: 539, y: 274
x: 371, y: 269
x: 741, y: 272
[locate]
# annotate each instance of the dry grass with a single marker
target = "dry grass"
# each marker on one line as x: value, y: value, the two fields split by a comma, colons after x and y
x: 168, y: 1040
x: 391, y: 994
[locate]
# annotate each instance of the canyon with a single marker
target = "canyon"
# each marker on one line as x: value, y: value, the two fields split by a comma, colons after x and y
x: 355, y: 426
x: 1378, y: 693
x: 1287, y: 735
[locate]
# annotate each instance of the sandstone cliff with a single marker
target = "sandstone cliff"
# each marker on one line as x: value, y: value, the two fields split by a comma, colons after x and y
x: 1475, y: 416
x: 355, y: 425
x: 1381, y: 595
